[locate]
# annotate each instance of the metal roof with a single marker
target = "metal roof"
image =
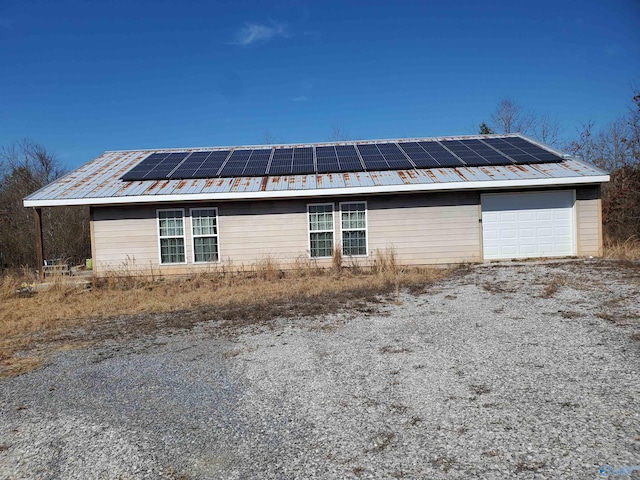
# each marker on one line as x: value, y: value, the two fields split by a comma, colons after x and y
x: 98, y: 182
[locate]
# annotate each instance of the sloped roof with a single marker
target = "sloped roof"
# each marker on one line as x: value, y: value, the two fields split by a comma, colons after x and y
x: 99, y: 181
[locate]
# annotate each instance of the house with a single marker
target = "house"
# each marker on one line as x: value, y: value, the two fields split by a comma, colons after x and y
x: 432, y: 200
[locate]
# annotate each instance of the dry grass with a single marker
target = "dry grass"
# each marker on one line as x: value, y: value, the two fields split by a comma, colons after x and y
x: 127, y: 306
x: 553, y: 285
x: 627, y: 250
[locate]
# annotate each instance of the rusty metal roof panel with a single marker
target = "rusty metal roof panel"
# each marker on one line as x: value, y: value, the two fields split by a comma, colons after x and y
x: 514, y: 172
x: 357, y: 179
x: 558, y: 170
x: 469, y: 174
x: 445, y: 175
x: 330, y: 180
x: 99, y: 180
x: 385, y: 178
x: 192, y: 186
x: 217, y: 185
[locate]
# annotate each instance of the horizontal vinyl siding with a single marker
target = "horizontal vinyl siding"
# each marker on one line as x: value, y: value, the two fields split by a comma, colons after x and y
x: 426, y: 229
x: 589, y: 227
x: 126, y: 239
x: 421, y: 229
x: 251, y: 231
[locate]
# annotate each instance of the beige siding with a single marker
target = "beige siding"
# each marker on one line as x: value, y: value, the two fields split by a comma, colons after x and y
x: 126, y: 239
x: 421, y: 229
x: 426, y: 228
x: 588, y: 213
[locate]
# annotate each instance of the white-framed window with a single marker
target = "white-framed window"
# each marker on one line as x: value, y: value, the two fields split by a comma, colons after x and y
x: 353, y: 228
x: 171, y: 236
x: 204, y: 229
x: 320, y: 230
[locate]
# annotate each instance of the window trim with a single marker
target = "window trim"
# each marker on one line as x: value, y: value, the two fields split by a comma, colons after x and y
x: 333, y: 230
x: 184, y: 235
x: 194, y: 236
x: 365, y: 229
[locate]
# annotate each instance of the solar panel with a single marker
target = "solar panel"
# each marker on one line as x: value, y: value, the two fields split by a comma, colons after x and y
x: 257, y: 164
x: 236, y: 163
x: 303, y: 161
x: 211, y: 166
x: 166, y: 166
x: 348, y: 159
x: 372, y: 158
x: 523, y: 151
x: 326, y: 152
x: 340, y: 158
x: 368, y: 149
x: 281, y: 161
x: 539, y: 153
x: 418, y: 155
x: 394, y: 156
x: 328, y: 165
x: 145, y: 166
x: 464, y: 153
x: 188, y: 168
x: 440, y: 154
x: 303, y: 168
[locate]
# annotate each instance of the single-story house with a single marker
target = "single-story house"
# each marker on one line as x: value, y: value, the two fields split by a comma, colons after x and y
x: 432, y: 200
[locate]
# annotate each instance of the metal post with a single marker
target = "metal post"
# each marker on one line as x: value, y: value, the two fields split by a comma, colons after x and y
x: 37, y: 215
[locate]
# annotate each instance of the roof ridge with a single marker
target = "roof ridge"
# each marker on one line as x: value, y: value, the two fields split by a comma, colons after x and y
x: 328, y: 143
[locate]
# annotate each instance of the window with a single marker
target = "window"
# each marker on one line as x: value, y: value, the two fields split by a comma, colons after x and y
x: 204, y: 227
x: 354, y: 228
x: 321, y: 230
x: 171, y: 233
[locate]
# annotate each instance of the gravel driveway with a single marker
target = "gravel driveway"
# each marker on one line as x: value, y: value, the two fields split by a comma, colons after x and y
x: 525, y: 370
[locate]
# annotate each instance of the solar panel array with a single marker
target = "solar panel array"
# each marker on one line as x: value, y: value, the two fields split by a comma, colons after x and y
x: 246, y: 162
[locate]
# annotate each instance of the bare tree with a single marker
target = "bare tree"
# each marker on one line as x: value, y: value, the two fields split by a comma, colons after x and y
x: 269, y: 139
x: 338, y: 134
x: 28, y: 166
x: 509, y: 117
x: 547, y: 129
x: 612, y: 147
x: 616, y: 148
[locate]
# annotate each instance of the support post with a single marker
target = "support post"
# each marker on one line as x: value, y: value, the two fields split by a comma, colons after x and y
x: 37, y: 215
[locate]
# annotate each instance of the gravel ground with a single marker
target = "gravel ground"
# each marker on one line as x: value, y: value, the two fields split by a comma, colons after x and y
x: 519, y: 370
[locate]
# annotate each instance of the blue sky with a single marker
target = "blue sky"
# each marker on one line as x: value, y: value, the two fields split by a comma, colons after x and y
x: 82, y: 77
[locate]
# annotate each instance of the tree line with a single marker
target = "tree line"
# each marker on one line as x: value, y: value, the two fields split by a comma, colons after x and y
x: 26, y: 166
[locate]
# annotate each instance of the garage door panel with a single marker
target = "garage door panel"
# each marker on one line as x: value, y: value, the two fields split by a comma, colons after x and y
x: 544, y: 232
x: 527, y: 250
x: 526, y: 233
x: 544, y: 216
x: 526, y: 216
x: 492, y: 235
x: 490, y: 217
x: 528, y: 224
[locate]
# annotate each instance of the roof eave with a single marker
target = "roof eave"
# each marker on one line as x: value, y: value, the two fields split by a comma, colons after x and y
x: 342, y: 191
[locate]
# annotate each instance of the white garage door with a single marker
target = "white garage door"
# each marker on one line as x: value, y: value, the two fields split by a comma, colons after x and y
x: 523, y: 225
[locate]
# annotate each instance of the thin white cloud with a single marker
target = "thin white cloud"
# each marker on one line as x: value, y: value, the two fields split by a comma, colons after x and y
x: 255, y: 32
x: 302, y: 98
